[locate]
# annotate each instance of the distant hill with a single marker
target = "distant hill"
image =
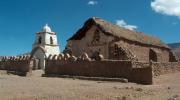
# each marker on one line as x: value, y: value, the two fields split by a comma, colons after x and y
x: 176, y: 48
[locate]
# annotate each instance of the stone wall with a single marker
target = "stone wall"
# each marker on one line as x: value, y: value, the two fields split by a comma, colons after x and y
x: 109, y: 69
x: 141, y: 73
x: 134, y: 71
x: 17, y: 66
x: 164, y: 68
x: 90, y: 68
x: 142, y: 51
x: 86, y: 44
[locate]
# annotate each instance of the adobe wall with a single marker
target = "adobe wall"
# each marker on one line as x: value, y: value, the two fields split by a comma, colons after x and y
x: 19, y: 67
x: 86, y: 45
x: 90, y: 68
x: 164, y: 68
x: 110, y: 69
x: 142, y: 51
x: 141, y: 73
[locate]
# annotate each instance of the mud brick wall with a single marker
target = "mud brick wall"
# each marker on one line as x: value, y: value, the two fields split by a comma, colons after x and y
x: 90, y: 68
x: 164, y: 68
x: 142, y: 51
x: 2, y: 65
x: 21, y: 67
x: 85, y: 44
x: 110, y: 69
x: 141, y: 73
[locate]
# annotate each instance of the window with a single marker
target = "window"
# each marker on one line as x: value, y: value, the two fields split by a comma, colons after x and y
x: 51, y: 40
x: 39, y: 40
x: 96, y: 36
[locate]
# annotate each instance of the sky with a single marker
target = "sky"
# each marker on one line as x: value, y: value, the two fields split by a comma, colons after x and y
x: 21, y: 19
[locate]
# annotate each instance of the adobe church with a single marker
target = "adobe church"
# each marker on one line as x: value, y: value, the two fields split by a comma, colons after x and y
x: 45, y: 44
x: 98, y: 49
x: 117, y: 43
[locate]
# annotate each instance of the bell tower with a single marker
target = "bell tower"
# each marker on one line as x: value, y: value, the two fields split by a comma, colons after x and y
x: 45, y: 44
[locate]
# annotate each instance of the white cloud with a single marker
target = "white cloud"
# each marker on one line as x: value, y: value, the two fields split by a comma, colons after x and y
x: 92, y: 3
x: 167, y: 7
x: 123, y: 24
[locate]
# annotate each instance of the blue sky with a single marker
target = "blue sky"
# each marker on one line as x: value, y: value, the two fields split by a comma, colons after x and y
x: 21, y: 19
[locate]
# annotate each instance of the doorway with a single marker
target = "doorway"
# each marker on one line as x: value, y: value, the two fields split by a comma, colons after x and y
x: 152, y: 55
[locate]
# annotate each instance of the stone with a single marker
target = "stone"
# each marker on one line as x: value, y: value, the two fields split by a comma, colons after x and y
x: 72, y: 59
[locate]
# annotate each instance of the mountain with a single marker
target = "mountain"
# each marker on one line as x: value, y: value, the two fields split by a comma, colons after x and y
x: 175, y: 48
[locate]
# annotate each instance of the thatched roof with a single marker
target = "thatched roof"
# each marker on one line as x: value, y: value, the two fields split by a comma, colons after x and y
x: 115, y: 30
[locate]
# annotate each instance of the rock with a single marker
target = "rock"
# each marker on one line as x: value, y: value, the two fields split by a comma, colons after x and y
x: 130, y: 87
x: 66, y: 56
x: 139, y: 89
x: 72, y: 59
x: 169, y: 87
x: 60, y: 56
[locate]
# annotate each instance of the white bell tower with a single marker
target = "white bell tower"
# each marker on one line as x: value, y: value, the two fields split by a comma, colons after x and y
x: 45, y: 44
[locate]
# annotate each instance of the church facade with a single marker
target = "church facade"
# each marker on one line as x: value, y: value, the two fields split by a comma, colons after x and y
x: 45, y: 44
x: 116, y: 43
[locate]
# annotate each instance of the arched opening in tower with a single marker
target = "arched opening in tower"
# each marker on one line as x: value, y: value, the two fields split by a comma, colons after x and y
x: 51, y: 40
x: 39, y: 40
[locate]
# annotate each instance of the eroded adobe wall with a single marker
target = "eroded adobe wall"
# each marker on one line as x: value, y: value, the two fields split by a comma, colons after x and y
x: 110, y: 69
x: 90, y: 68
x: 17, y: 66
x: 141, y: 73
x: 164, y: 55
x: 88, y: 45
x: 164, y: 68
x: 2, y: 65
x: 142, y: 51
x: 172, y: 57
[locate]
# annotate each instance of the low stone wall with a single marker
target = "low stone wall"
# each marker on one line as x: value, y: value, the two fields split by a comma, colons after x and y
x: 164, y: 68
x: 90, y: 68
x: 109, y: 69
x: 19, y: 67
x: 141, y: 73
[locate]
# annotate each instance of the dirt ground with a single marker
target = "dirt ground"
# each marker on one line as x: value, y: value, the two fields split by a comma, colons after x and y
x: 13, y: 87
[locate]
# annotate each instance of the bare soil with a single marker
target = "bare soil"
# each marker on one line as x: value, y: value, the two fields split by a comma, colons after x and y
x: 13, y: 87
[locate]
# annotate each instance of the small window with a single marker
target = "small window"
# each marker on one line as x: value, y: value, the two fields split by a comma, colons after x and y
x: 96, y: 36
x: 51, y: 40
x: 39, y: 40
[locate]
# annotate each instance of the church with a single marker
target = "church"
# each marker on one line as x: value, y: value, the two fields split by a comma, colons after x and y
x: 99, y: 36
x: 45, y: 44
x: 98, y: 49
x: 117, y: 43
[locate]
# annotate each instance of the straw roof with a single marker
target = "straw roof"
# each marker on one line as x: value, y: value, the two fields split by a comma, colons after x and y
x: 117, y: 31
